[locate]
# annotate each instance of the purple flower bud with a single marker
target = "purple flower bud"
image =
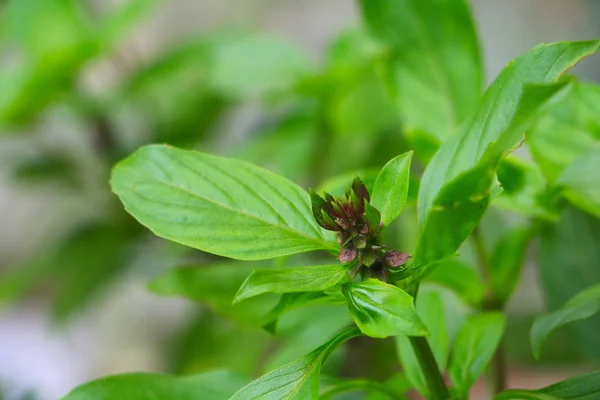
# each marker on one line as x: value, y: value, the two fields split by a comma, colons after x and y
x: 395, y: 258
x: 348, y: 254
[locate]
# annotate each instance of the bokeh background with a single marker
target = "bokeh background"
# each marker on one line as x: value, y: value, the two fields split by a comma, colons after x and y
x: 83, y: 84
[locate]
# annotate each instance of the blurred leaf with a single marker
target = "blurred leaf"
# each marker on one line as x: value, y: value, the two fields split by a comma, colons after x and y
x: 374, y: 390
x: 336, y: 185
x: 48, y: 167
x: 581, y: 387
x: 580, y: 181
x: 391, y: 188
x: 583, y: 305
x: 286, y: 147
x: 434, y: 60
x: 506, y: 262
x: 216, y: 204
x: 298, y: 379
x: 431, y: 310
x: 524, y: 189
x: 215, y: 285
x: 79, y: 267
x: 117, y: 24
x: 569, y: 262
x: 209, y: 342
x: 492, y: 131
x: 459, y: 277
x: 381, y: 310
x: 216, y: 385
x: 473, y: 349
x: 292, y: 280
x: 567, y: 131
x: 249, y: 66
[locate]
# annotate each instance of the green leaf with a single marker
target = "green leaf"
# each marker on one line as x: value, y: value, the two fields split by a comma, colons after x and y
x: 251, y: 65
x: 582, y: 306
x: 292, y: 280
x: 461, y: 278
x: 381, y: 310
x: 507, y: 261
x: 430, y: 307
x: 298, y: 379
x: 473, y: 348
x: 391, y: 188
x: 215, y: 285
x: 510, y: 105
x: 222, y: 206
x: 120, y: 21
x: 581, y: 387
x: 215, y: 385
x: 567, y: 131
x: 580, y: 181
x: 435, y: 60
x: 524, y: 189
x: 569, y: 262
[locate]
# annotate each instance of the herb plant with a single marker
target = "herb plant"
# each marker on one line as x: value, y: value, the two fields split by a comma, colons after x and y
x: 461, y: 141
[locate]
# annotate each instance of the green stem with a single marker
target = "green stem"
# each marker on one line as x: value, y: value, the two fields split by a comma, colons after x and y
x: 497, y: 375
x: 433, y: 377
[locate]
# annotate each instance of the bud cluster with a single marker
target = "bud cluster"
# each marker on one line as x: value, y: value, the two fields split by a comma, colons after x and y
x: 358, y: 226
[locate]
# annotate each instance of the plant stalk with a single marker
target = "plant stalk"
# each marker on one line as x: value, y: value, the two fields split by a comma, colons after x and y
x: 497, y: 372
x: 433, y: 377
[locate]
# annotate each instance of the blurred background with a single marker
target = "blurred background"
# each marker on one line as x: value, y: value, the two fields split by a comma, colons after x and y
x: 290, y: 85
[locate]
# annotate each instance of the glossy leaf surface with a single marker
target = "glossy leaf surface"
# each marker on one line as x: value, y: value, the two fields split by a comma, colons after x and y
x: 382, y: 310
x: 391, y: 188
x: 218, y: 205
x: 292, y: 280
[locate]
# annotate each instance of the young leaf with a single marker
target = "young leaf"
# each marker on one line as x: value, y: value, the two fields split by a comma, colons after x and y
x: 507, y: 261
x: 581, y: 387
x: 298, y: 379
x: 218, y: 205
x: 391, y: 188
x: 381, y: 310
x: 435, y: 60
x: 292, y: 280
x: 474, y: 346
x: 580, y: 181
x: 215, y: 385
x: 567, y: 131
x: 521, y: 92
x: 569, y: 262
x: 582, y: 306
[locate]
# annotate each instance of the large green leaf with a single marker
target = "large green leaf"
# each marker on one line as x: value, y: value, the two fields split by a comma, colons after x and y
x: 298, y: 379
x: 292, y: 280
x: 569, y: 262
x: 461, y: 278
x: 382, y: 310
x: 216, y: 385
x: 474, y: 347
x: 582, y: 306
x: 567, y: 131
x: 222, y: 206
x: 580, y: 181
x: 434, y: 61
x: 510, y: 105
x: 391, y: 188
x: 581, y: 387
